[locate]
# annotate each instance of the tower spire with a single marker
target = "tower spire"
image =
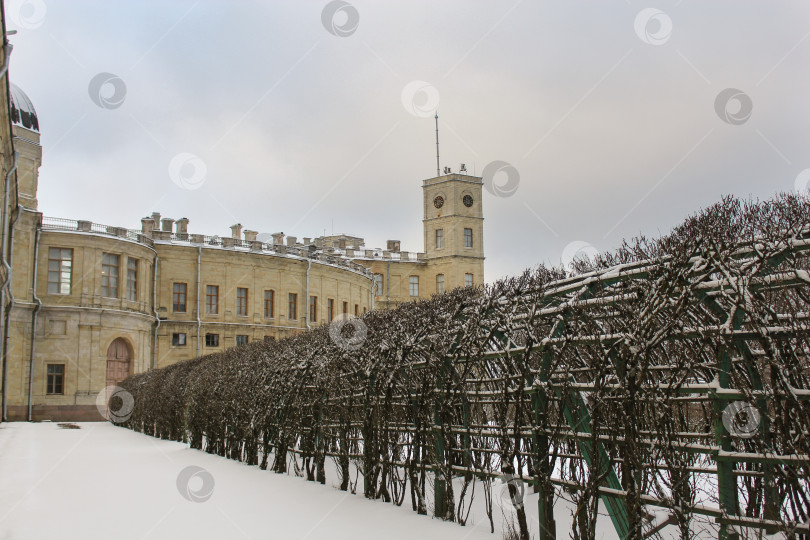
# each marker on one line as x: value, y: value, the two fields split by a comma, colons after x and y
x: 438, y: 169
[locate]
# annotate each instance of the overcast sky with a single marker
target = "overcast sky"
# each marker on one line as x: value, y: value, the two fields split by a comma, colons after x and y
x: 285, y: 118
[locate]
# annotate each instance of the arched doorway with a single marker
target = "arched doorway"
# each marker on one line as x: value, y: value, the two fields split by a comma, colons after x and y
x: 118, y: 362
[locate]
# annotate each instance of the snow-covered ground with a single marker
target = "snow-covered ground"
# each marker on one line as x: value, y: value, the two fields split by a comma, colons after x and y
x: 102, y: 481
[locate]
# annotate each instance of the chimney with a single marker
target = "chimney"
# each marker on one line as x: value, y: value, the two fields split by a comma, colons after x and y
x: 236, y: 231
x: 278, y: 239
x: 250, y: 236
x: 392, y: 245
x: 291, y: 240
x: 156, y: 219
x: 168, y: 223
x: 147, y: 226
x: 181, y: 227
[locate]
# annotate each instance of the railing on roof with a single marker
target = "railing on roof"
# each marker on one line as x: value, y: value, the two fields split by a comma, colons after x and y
x: 226, y: 242
x: 61, y: 224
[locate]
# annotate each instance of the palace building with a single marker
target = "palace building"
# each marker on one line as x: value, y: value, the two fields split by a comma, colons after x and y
x: 85, y: 305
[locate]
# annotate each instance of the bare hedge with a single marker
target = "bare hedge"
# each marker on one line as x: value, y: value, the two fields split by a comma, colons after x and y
x: 622, y: 376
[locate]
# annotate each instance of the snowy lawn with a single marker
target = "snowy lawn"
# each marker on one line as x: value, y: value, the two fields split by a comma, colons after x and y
x: 102, y: 481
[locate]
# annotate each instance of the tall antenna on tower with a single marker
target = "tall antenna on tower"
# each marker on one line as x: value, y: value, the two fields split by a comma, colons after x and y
x: 438, y: 171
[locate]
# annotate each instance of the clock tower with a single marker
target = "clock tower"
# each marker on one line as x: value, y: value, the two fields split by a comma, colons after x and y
x: 454, y: 231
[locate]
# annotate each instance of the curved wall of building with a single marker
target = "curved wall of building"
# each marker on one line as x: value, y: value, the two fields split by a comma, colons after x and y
x: 100, y: 301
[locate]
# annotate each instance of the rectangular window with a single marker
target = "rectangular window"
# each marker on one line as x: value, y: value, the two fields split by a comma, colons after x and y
x: 60, y: 264
x: 212, y: 299
x: 212, y: 340
x: 292, y: 308
x: 132, y: 279
x: 330, y: 310
x: 179, y: 297
x: 268, y: 339
x: 378, y: 284
x: 356, y: 310
x: 179, y: 339
x: 269, y: 300
x: 468, y: 280
x: 413, y: 286
x: 468, y: 238
x: 440, y: 283
x: 313, y: 309
x: 241, y: 301
x: 439, y: 238
x: 241, y: 340
x: 109, y: 275
x: 345, y: 308
x: 56, y: 379
x: 364, y: 311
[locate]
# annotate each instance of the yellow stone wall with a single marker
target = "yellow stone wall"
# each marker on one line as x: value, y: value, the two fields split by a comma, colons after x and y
x: 76, y: 329
x: 230, y: 269
x: 453, y: 260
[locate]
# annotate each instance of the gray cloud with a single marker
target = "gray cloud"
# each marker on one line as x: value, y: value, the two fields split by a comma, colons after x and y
x: 600, y: 124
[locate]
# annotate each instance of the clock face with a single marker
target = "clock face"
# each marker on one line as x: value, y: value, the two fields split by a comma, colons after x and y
x: 468, y: 201
x: 438, y: 202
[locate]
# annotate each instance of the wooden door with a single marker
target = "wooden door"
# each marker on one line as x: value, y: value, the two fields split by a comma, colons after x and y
x: 118, y: 362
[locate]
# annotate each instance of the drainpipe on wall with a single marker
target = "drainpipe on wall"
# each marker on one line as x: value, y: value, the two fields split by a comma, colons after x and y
x: 34, y: 325
x: 7, y: 266
x: 306, y: 301
x: 155, y: 309
x: 199, y: 321
x: 7, y: 311
x: 388, y: 286
x: 8, y: 47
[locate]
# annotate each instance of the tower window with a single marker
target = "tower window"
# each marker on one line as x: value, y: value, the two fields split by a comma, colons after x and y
x: 439, y: 238
x: 60, y: 263
x: 413, y: 286
x: 439, y: 283
x: 109, y: 275
x: 468, y: 240
x: 468, y: 280
x: 179, y: 297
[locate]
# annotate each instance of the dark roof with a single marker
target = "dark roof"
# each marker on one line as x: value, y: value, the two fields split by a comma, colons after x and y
x: 22, y: 110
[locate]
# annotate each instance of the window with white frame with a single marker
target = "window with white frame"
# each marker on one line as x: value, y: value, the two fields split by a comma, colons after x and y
x: 413, y: 285
x: 60, y: 267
